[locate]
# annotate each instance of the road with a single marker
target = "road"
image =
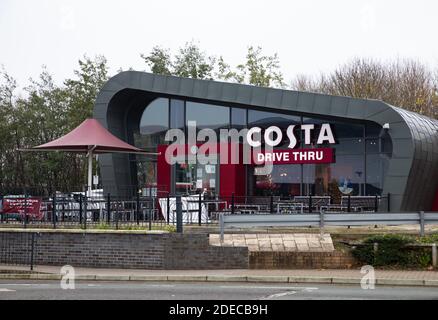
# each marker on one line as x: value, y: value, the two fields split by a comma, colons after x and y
x: 46, y: 290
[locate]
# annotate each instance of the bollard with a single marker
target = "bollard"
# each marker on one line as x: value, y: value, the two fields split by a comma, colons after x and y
x: 138, y: 209
x: 349, y: 204
x: 310, y: 203
x: 85, y: 211
x: 54, y: 210
x: 321, y: 221
x: 32, y: 251
x: 80, y: 209
x: 222, y: 227
x: 168, y: 207
x: 63, y: 209
x: 117, y: 215
x: 271, y: 204
x: 108, y: 208
x: 376, y: 204
x: 434, y: 255
x: 232, y: 203
x: 389, y: 202
x: 422, y: 223
x: 375, y: 249
x: 200, y: 209
x: 25, y: 210
x: 179, y: 226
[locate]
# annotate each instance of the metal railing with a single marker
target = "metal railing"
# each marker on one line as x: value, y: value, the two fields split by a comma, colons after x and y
x: 327, y: 219
x: 149, y: 210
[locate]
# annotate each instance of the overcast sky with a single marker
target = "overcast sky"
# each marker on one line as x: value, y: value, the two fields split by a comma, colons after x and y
x: 310, y: 36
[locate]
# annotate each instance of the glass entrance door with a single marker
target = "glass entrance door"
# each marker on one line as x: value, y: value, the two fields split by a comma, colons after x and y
x: 195, y: 178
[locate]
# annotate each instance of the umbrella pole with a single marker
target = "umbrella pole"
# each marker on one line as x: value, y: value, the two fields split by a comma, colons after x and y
x: 90, y: 172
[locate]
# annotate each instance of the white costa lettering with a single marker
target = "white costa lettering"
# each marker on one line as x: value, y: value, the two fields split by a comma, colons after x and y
x: 325, y: 135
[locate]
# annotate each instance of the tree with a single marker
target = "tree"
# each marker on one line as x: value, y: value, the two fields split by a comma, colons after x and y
x: 403, y: 83
x: 189, y: 62
x: 192, y: 62
x: 82, y: 91
x: 159, y: 61
x: 7, y: 88
x: 258, y: 69
x: 46, y: 112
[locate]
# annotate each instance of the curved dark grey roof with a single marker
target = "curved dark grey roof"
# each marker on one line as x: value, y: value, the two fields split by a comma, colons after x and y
x: 414, y: 163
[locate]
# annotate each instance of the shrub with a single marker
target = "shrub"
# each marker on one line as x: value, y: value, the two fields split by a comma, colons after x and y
x: 391, y: 250
x: 431, y: 238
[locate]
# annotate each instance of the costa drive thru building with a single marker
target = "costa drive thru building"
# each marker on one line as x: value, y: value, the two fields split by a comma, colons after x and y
x: 377, y: 149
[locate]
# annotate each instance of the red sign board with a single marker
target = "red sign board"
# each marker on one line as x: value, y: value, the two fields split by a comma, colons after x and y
x: 22, y: 206
x: 295, y: 156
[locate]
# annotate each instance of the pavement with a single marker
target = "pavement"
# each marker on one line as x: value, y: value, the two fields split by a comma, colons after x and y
x: 278, y: 242
x: 225, y: 292
x: 350, y: 276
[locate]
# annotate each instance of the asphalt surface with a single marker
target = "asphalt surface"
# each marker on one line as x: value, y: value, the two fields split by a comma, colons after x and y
x: 120, y: 290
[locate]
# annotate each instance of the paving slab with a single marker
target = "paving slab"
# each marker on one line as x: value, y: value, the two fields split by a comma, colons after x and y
x: 277, y: 242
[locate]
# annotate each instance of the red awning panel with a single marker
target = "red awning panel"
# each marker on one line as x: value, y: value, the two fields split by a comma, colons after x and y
x: 89, y: 135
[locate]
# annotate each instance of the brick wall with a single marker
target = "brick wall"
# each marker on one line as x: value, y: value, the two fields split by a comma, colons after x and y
x: 301, y: 260
x: 121, y: 250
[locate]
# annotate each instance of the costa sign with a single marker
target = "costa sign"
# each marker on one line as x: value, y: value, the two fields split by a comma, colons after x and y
x: 202, y: 147
x: 325, y: 135
x: 295, y: 156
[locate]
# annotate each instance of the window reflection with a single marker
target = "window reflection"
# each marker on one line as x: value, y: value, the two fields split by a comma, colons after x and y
x: 284, y: 180
x: 377, y: 166
x: 345, y: 177
x: 207, y: 115
x: 238, y: 118
x: 176, y: 114
x: 358, y: 145
x: 153, y: 125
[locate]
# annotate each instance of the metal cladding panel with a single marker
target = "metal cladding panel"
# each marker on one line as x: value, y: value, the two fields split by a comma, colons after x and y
x: 244, y: 94
x: 229, y: 92
x: 274, y: 97
x: 186, y: 88
x: 322, y: 104
x: 415, y: 140
x: 356, y: 108
x: 173, y: 84
x: 422, y: 181
x: 214, y: 90
x: 258, y: 97
x: 200, y: 89
x: 289, y: 100
x: 305, y: 102
x: 339, y: 106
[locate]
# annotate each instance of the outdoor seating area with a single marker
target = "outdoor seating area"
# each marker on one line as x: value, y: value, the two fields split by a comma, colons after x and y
x: 78, y: 209
x: 294, y: 205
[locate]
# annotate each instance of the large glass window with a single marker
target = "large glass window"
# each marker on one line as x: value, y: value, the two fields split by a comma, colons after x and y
x: 264, y: 120
x: 344, y: 177
x: 153, y: 125
x: 362, y: 151
x: 238, y: 118
x: 376, y: 167
x: 177, y: 114
x: 284, y: 180
x: 207, y: 115
x: 348, y: 136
